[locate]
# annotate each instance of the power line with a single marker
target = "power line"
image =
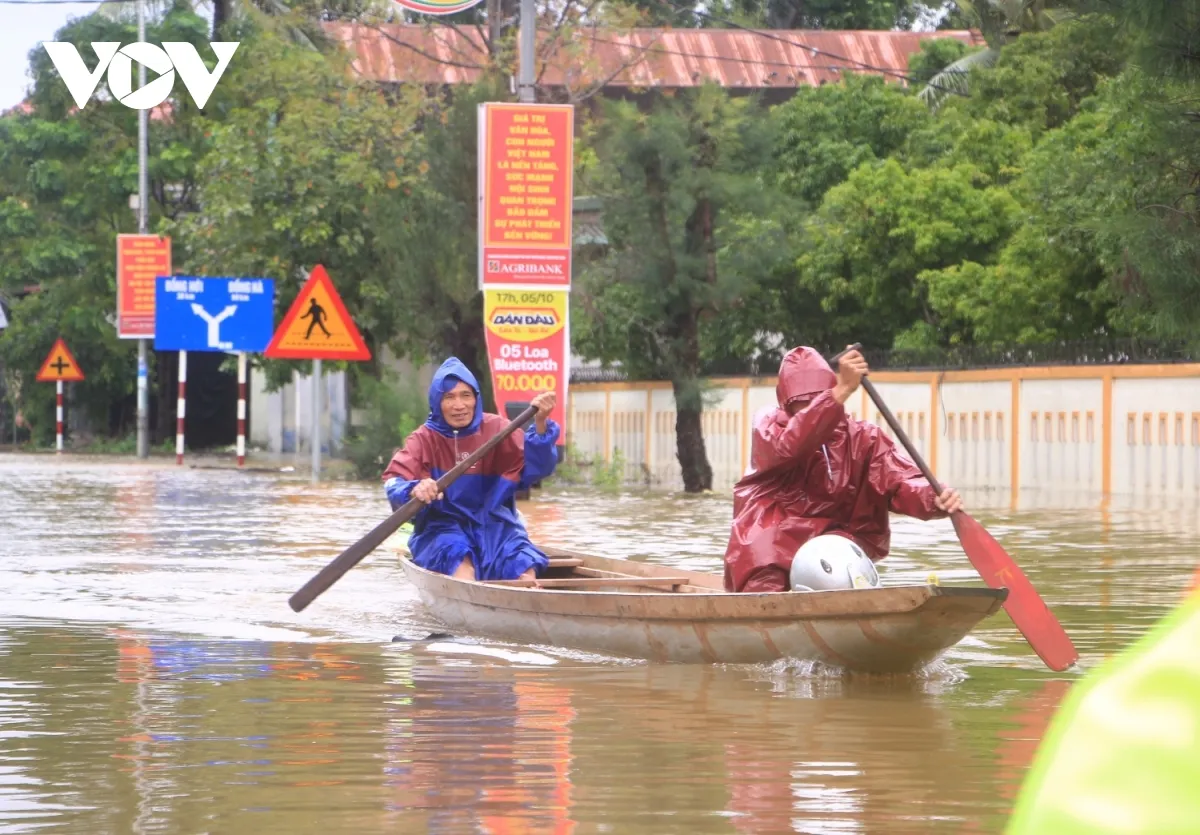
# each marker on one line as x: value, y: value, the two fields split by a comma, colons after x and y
x: 762, y: 33
x: 732, y: 58
x: 770, y: 35
x: 812, y: 49
x: 885, y: 70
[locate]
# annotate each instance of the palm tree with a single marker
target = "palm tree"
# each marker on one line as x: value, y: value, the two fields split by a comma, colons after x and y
x: 1000, y: 22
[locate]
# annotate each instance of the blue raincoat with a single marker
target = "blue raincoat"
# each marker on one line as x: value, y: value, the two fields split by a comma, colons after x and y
x: 478, y: 515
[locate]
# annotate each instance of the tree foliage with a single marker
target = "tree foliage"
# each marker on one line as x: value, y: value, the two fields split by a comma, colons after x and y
x: 826, y: 132
x: 301, y: 163
x: 430, y: 246
x: 877, y: 235
x: 685, y: 204
x: 1147, y: 211
x: 65, y: 181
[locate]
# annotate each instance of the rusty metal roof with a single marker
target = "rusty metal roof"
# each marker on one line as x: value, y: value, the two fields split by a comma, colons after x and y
x: 734, y: 58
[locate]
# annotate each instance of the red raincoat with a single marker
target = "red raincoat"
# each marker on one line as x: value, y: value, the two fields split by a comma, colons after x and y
x: 819, y: 471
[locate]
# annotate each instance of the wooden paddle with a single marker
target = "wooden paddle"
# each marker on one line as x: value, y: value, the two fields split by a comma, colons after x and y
x: 1024, y: 605
x: 353, y: 555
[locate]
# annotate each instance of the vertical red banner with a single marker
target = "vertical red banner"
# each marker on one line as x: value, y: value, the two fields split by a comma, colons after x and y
x: 526, y: 162
x: 140, y: 259
x: 528, y: 348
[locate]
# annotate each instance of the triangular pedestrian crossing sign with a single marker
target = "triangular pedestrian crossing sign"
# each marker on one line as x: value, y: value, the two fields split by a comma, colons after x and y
x: 318, y: 326
x: 60, y: 365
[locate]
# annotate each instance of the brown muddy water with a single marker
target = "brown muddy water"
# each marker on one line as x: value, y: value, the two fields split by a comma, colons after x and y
x: 154, y: 680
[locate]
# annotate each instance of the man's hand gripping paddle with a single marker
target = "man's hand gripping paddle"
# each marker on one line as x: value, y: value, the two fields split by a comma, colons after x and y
x: 1024, y: 605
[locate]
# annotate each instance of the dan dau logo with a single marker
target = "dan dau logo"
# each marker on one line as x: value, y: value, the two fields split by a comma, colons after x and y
x: 524, y: 324
x: 173, y: 57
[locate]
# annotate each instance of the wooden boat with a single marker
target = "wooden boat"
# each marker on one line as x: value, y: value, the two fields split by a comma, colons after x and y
x: 639, y: 610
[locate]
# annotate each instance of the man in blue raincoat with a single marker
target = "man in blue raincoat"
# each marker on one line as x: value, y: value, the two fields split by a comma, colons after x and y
x: 472, y: 531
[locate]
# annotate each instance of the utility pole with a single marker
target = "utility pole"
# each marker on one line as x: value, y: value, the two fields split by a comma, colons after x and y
x: 143, y: 376
x: 527, y: 45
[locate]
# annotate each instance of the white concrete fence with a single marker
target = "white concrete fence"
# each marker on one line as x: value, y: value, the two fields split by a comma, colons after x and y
x: 1108, y: 430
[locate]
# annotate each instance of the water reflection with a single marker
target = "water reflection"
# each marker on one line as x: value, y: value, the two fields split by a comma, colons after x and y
x: 154, y: 681
x: 1019, y: 743
x: 140, y: 734
x: 128, y: 732
x: 479, y: 750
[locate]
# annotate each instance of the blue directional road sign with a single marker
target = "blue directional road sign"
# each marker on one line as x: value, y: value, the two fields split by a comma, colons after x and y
x: 213, y: 314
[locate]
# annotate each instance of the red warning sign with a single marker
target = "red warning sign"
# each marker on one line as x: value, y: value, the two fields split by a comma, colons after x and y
x: 318, y: 326
x: 60, y: 364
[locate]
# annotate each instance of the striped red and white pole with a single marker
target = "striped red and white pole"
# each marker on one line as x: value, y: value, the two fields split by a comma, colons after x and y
x: 58, y: 415
x: 241, y: 435
x: 180, y: 407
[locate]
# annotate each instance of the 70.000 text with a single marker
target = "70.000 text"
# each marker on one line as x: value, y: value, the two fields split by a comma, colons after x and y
x: 525, y: 382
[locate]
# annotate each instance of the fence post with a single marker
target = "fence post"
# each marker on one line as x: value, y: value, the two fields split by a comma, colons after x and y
x: 1106, y: 434
x: 745, y: 428
x: 649, y: 433
x: 1015, y: 465
x: 934, y: 385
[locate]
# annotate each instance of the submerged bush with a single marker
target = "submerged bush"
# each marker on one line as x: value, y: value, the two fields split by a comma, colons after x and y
x: 393, y: 411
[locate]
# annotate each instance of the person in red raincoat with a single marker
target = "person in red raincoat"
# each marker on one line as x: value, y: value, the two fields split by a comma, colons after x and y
x: 815, y: 470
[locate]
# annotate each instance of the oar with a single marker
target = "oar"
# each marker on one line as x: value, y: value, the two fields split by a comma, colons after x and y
x: 353, y: 555
x: 1024, y: 605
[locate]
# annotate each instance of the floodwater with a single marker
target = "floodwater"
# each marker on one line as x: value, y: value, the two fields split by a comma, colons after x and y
x: 154, y: 680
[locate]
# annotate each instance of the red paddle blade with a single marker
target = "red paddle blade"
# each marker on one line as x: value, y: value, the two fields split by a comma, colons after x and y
x: 1024, y: 605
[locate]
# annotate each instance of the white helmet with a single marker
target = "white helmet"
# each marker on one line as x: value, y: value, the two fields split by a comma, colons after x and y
x: 831, y: 562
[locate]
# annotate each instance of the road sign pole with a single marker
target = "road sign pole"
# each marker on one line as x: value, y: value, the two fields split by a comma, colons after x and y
x: 316, y: 327
x: 241, y: 412
x: 316, y: 421
x: 143, y: 379
x: 297, y: 417
x: 60, y: 367
x: 58, y: 441
x: 212, y: 316
x: 143, y: 400
x: 180, y: 407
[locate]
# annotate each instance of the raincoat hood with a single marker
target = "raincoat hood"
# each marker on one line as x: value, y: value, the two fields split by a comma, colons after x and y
x: 819, y: 471
x: 449, y: 374
x: 803, y: 372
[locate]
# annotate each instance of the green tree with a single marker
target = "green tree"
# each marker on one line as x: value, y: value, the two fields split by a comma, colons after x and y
x: 429, y: 286
x: 1001, y: 22
x: 682, y: 185
x: 1150, y: 167
x: 301, y: 162
x: 65, y: 179
x: 826, y: 132
x: 821, y: 135
x: 1042, y: 79
x: 996, y: 149
x: 875, y: 235
x: 1054, y: 277
x: 1161, y: 32
x: 934, y: 56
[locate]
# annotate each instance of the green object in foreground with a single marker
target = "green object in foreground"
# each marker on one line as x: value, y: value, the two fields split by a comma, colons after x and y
x: 1123, y: 753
